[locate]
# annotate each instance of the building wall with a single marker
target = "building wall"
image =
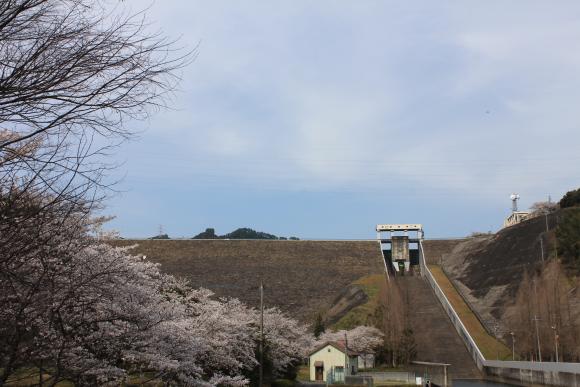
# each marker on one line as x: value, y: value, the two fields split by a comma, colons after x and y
x: 331, y: 357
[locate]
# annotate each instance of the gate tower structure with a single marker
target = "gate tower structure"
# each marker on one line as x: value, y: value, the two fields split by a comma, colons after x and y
x: 401, y: 251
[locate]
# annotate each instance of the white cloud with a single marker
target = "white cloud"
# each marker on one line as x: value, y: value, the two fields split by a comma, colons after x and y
x: 343, y: 95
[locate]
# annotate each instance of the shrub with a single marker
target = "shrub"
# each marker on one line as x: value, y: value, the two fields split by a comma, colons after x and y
x: 568, y: 234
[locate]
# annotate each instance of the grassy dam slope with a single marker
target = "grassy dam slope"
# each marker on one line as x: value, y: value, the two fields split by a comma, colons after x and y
x: 302, y: 278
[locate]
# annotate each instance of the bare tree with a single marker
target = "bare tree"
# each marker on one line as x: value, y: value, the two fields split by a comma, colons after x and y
x: 398, y: 348
x: 542, y: 318
x: 543, y: 208
x: 71, y: 73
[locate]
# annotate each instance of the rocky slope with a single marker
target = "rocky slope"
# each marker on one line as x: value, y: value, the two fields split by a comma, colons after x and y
x: 302, y: 278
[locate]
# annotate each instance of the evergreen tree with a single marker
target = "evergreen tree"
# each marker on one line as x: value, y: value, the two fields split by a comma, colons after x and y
x: 568, y: 234
x: 319, y: 327
x: 209, y: 233
x: 571, y: 199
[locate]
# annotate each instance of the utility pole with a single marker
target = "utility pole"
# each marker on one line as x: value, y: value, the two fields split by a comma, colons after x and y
x: 347, y: 363
x: 261, y: 381
x: 536, y: 321
x: 513, y: 346
x: 556, y: 338
x: 542, y: 247
x: 538, y: 338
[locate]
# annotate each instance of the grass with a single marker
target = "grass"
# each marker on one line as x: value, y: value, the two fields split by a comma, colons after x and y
x: 31, y: 376
x: 490, y: 347
x: 145, y: 379
x: 363, y: 314
x: 283, y: 383
x: 303, y: 372
x: 384, y: 368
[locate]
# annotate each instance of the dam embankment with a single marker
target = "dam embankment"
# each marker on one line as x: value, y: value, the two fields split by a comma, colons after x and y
x: 302, y: 278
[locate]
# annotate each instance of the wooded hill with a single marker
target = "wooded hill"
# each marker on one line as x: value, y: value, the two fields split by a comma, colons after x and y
x: 240, y: 233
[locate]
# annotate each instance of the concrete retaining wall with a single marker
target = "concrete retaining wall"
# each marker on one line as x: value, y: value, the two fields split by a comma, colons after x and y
x: 548, y: 373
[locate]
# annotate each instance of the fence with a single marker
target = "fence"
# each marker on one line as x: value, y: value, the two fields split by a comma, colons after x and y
x: 360, y: 380
x: 396, y: 376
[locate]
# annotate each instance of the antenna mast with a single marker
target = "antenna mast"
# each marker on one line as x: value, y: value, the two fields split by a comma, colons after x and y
x: 514, y: 197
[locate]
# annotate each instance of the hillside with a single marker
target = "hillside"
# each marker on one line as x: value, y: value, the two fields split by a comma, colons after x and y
x: 489, y: 268
x: 493, y: 273
x: 301, y: 277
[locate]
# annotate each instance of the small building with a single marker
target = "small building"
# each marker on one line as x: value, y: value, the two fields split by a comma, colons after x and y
x: 331, y: 362
x: 516, y: 217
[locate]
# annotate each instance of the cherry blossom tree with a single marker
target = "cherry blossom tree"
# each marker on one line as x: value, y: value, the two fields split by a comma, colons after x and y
x: 287, y: 341
x: 82, y: 310
x: 362, y: 339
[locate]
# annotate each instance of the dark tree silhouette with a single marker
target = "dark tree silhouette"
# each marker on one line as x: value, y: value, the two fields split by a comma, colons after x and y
x: 571, y: 199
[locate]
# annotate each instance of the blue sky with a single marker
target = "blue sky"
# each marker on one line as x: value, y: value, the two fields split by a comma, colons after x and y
x: 321, y: 119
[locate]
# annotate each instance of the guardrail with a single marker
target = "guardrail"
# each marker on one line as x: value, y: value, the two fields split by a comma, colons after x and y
x: 548, y: 373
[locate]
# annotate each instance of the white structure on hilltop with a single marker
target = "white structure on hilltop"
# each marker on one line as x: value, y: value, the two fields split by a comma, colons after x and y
x: 516, y: 216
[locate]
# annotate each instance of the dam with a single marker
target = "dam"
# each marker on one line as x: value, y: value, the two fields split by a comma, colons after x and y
x: 307, y: 278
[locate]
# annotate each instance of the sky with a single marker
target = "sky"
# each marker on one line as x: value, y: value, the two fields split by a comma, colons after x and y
x: 320, y: 119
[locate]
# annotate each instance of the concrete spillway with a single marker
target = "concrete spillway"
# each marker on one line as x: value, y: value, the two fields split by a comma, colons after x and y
x: 436, y: 338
